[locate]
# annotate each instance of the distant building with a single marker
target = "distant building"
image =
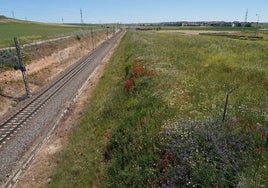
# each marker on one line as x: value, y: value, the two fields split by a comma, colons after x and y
x: 236, y: 24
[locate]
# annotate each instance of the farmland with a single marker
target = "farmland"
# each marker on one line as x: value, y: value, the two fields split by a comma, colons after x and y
x: 155, y: 118
x: 30, y: 31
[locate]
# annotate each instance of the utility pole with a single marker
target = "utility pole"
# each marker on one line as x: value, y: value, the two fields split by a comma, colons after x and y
x: 92, y: 39
x: 22, y: 67
x: 257, y: 24
x: 81, y: 14
x: 13, y: 14
x: 246, y: 19
x: 107, y: 33
x: 258, y: 15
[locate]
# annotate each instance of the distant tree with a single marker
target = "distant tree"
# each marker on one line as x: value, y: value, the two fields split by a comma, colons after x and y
x: 239, y: 24
x: 248, y: 24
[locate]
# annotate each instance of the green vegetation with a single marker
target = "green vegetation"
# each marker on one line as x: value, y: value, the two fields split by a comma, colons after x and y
x: 30, y: 31
x: 155, y: 117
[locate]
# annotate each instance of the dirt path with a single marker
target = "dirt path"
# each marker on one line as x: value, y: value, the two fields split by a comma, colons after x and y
x: 40, y: 169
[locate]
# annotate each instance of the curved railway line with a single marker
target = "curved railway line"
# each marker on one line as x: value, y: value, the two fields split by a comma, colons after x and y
x: 12, y: 125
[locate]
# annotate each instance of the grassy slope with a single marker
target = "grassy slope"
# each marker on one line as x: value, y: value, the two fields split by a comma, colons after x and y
x: 119, y: 141
x: 29, y: 31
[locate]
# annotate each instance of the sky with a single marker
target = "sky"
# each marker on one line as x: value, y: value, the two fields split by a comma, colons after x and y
x: 134, y: 11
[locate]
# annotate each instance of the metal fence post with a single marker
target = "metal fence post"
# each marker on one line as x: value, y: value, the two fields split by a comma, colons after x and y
x: 226, y: 102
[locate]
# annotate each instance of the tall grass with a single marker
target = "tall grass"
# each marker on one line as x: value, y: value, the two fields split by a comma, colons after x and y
x: 154, y: 117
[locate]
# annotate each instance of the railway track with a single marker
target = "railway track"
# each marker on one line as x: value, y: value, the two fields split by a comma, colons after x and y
x: 24, y: 130
x: 10, y: 126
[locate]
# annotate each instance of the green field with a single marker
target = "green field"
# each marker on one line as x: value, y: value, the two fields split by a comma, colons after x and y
x: 30, y: 31
x: 155, y: 117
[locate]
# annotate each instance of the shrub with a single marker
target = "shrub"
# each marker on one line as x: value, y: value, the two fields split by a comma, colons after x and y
x: 78, y: 37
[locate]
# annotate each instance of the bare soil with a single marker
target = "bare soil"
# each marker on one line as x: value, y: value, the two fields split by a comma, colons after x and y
x: 41, y: 69
x: 195, y: 32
